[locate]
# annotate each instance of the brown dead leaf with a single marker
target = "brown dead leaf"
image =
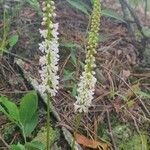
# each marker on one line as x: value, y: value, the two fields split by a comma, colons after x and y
x: 100, y: 145
x: 99, y: 91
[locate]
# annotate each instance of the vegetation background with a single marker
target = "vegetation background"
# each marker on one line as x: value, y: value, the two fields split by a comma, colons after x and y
x: 120, y: 115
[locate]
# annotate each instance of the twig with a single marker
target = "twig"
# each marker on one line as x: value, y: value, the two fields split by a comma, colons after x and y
x: 126, y: 17
x: 137, y: 128
x: 16, y: 75
x: 137, y: 21
x: 15, y: 91
x: 110, y: 131
x: 145, y: 39
x: 64, y: 64
x: 4, y: 142
x: 148, y: 112
x: 19, y: 57
x: 146, y: 5
x: 113, y: 44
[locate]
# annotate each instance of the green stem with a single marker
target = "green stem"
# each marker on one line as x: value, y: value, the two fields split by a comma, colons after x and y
x: 78, y: 122
x: 23, y: 132
x: 24, y: 136
x: 48, y: 121
x: 4, y: 32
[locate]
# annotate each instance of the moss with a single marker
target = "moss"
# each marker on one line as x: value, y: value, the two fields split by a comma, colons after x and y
x: 42, y: 134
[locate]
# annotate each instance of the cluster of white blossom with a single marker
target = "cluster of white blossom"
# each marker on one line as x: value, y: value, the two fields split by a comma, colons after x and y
x: 86, y: 86
x: 85, y: 90
x: 49, y: 48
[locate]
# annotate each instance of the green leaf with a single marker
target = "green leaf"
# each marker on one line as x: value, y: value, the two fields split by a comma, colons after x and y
x: 73, y: 57
x: 28, y: 112
x: 74, y: 90
x: 148, y: 6
x: 30, y: 124
x: 35, y: 145
x: 79, y: 5
x: 13, y: 40
x: 112, y: 14
x: 9, y: 109
x: 121, y: 96
x: 82, y: 64
x: 35, y: 4
x: 18, y: 147
x: 146, y: 31
x: 92, y: 2
x: 83, y: 7
x: 137, y: 142
x: 143, y: 94
x: 67, y: 75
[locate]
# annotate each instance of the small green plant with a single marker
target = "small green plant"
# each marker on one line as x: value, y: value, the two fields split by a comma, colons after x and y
x: 34, y: 145
x: 41, y: 136
x: 25, y: 116
x: 7, y: 42
x: 5, y: 31
x: 84, y: 8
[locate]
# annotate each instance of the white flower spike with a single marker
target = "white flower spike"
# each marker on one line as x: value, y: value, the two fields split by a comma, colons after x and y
x: 49, y: 47
x: 86, y: 87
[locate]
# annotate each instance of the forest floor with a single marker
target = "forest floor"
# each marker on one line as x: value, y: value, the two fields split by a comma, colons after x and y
x: 117, y: 115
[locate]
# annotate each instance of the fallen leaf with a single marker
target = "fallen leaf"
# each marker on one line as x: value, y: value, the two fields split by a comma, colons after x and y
x: 100, y: 145
x: 99, y: 91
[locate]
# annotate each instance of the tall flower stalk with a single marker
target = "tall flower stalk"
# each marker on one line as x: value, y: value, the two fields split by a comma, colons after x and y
x: 49, y: 60
x: 86, y: 86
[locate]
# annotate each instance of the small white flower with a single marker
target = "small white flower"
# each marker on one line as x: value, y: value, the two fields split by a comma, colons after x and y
x: 85, y: 90
x: 51, y: 25
x: 43, y: 23
x: 53, y: 7
x: 48, y: 5
x: 49, y: 15
x: 44, y: 8
x: 43, y: 3
x: 45, y: 18
x: 43, y: 33
x: 52, y: 2
x: 54, y: 14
